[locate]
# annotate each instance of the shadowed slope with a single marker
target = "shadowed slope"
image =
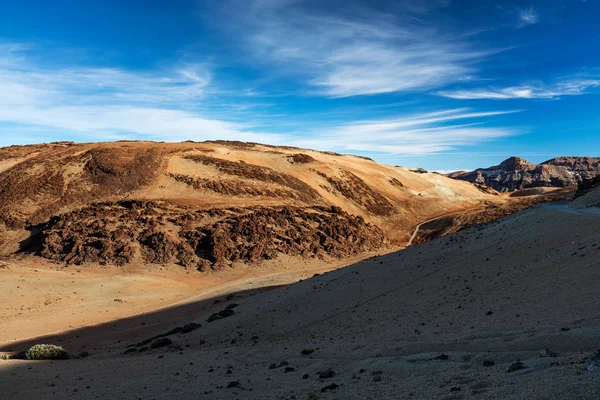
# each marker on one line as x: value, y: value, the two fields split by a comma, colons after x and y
x: 424, y: 319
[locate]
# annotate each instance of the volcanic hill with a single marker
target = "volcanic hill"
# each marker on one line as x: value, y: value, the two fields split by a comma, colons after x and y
x: 203, y: 205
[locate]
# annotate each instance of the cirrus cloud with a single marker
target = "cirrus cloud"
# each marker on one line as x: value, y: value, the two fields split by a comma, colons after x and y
x: 572, y: 87
x: 359, y: 52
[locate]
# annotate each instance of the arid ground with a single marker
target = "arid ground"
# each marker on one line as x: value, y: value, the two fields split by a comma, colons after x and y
x: 166, y: 286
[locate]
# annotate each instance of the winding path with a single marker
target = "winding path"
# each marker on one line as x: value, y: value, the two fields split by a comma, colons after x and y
x: 418, y: 227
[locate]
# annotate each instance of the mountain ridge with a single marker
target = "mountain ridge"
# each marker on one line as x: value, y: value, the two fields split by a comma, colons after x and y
x: 516, y: 173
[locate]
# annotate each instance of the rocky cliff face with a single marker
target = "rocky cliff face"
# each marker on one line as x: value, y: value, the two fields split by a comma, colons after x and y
x: 516, y: 174
x: 583, y: 168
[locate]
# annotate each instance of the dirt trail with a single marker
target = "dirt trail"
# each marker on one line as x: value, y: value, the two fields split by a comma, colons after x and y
x: 416, y: 229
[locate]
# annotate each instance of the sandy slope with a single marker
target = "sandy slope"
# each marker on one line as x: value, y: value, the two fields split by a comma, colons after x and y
x: 498, y: 293
x: 40, y: 298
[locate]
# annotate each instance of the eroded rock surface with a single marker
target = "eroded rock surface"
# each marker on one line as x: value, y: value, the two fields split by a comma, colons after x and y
x: 159, y: 232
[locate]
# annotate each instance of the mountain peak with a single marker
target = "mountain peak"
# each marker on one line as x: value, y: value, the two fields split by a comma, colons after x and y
x: 515, y: 164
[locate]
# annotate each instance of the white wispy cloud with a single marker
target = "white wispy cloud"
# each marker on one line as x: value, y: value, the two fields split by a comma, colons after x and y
x: 108, y: 104
x: 426, y: 133
x: 571, y: 87
x: 184, y: 83
x: 363, y: 52
x: 528, y: 16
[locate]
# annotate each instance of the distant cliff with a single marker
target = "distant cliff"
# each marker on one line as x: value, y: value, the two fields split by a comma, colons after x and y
x: 516, y: 173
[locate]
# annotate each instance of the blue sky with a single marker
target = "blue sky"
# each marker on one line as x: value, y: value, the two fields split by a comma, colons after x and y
x: 440, y: 84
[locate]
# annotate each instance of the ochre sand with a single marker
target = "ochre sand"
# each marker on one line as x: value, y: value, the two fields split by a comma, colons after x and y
x: 41, y: 298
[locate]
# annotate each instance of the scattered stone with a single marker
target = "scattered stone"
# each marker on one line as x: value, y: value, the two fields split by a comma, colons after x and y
x: 305, y: 376
x: 84, y: 354
x: 489, y: 313
x: 162, y: 342
x: 377, y: 378
x: 190, y: 327
x: 455, y: 389
x: 220, y: 315
x: 272, y: 366
x: 288, y: 369
x: 488, y: 363
x: 173, y: 331
x: 565, y: 329
x: 306, y: 352
x: 233, y: 384
x: 593, y: 366
x: 442, y: 357
x: 547, y: 353
x: 328, y: 373
x: 516, y: 367
x: 333, y: 386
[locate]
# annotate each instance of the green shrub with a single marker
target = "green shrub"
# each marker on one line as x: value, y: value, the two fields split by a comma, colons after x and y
x: 46, y: 352
x: 306, y: 352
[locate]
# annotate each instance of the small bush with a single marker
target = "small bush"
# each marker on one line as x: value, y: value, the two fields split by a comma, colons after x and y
x: 46, y: 352
x: 306, y: 352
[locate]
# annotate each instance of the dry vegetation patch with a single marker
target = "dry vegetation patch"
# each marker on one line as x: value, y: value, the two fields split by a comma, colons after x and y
x: 234, y: 187
x: 357, y: 190
x: 249, y: 171
x: 301, y: 158
x: 37, y: 188
x: 122, y: 169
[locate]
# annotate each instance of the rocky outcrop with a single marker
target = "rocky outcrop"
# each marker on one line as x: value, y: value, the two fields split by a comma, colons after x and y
x: 516, y: 174
x: 159, y: 232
